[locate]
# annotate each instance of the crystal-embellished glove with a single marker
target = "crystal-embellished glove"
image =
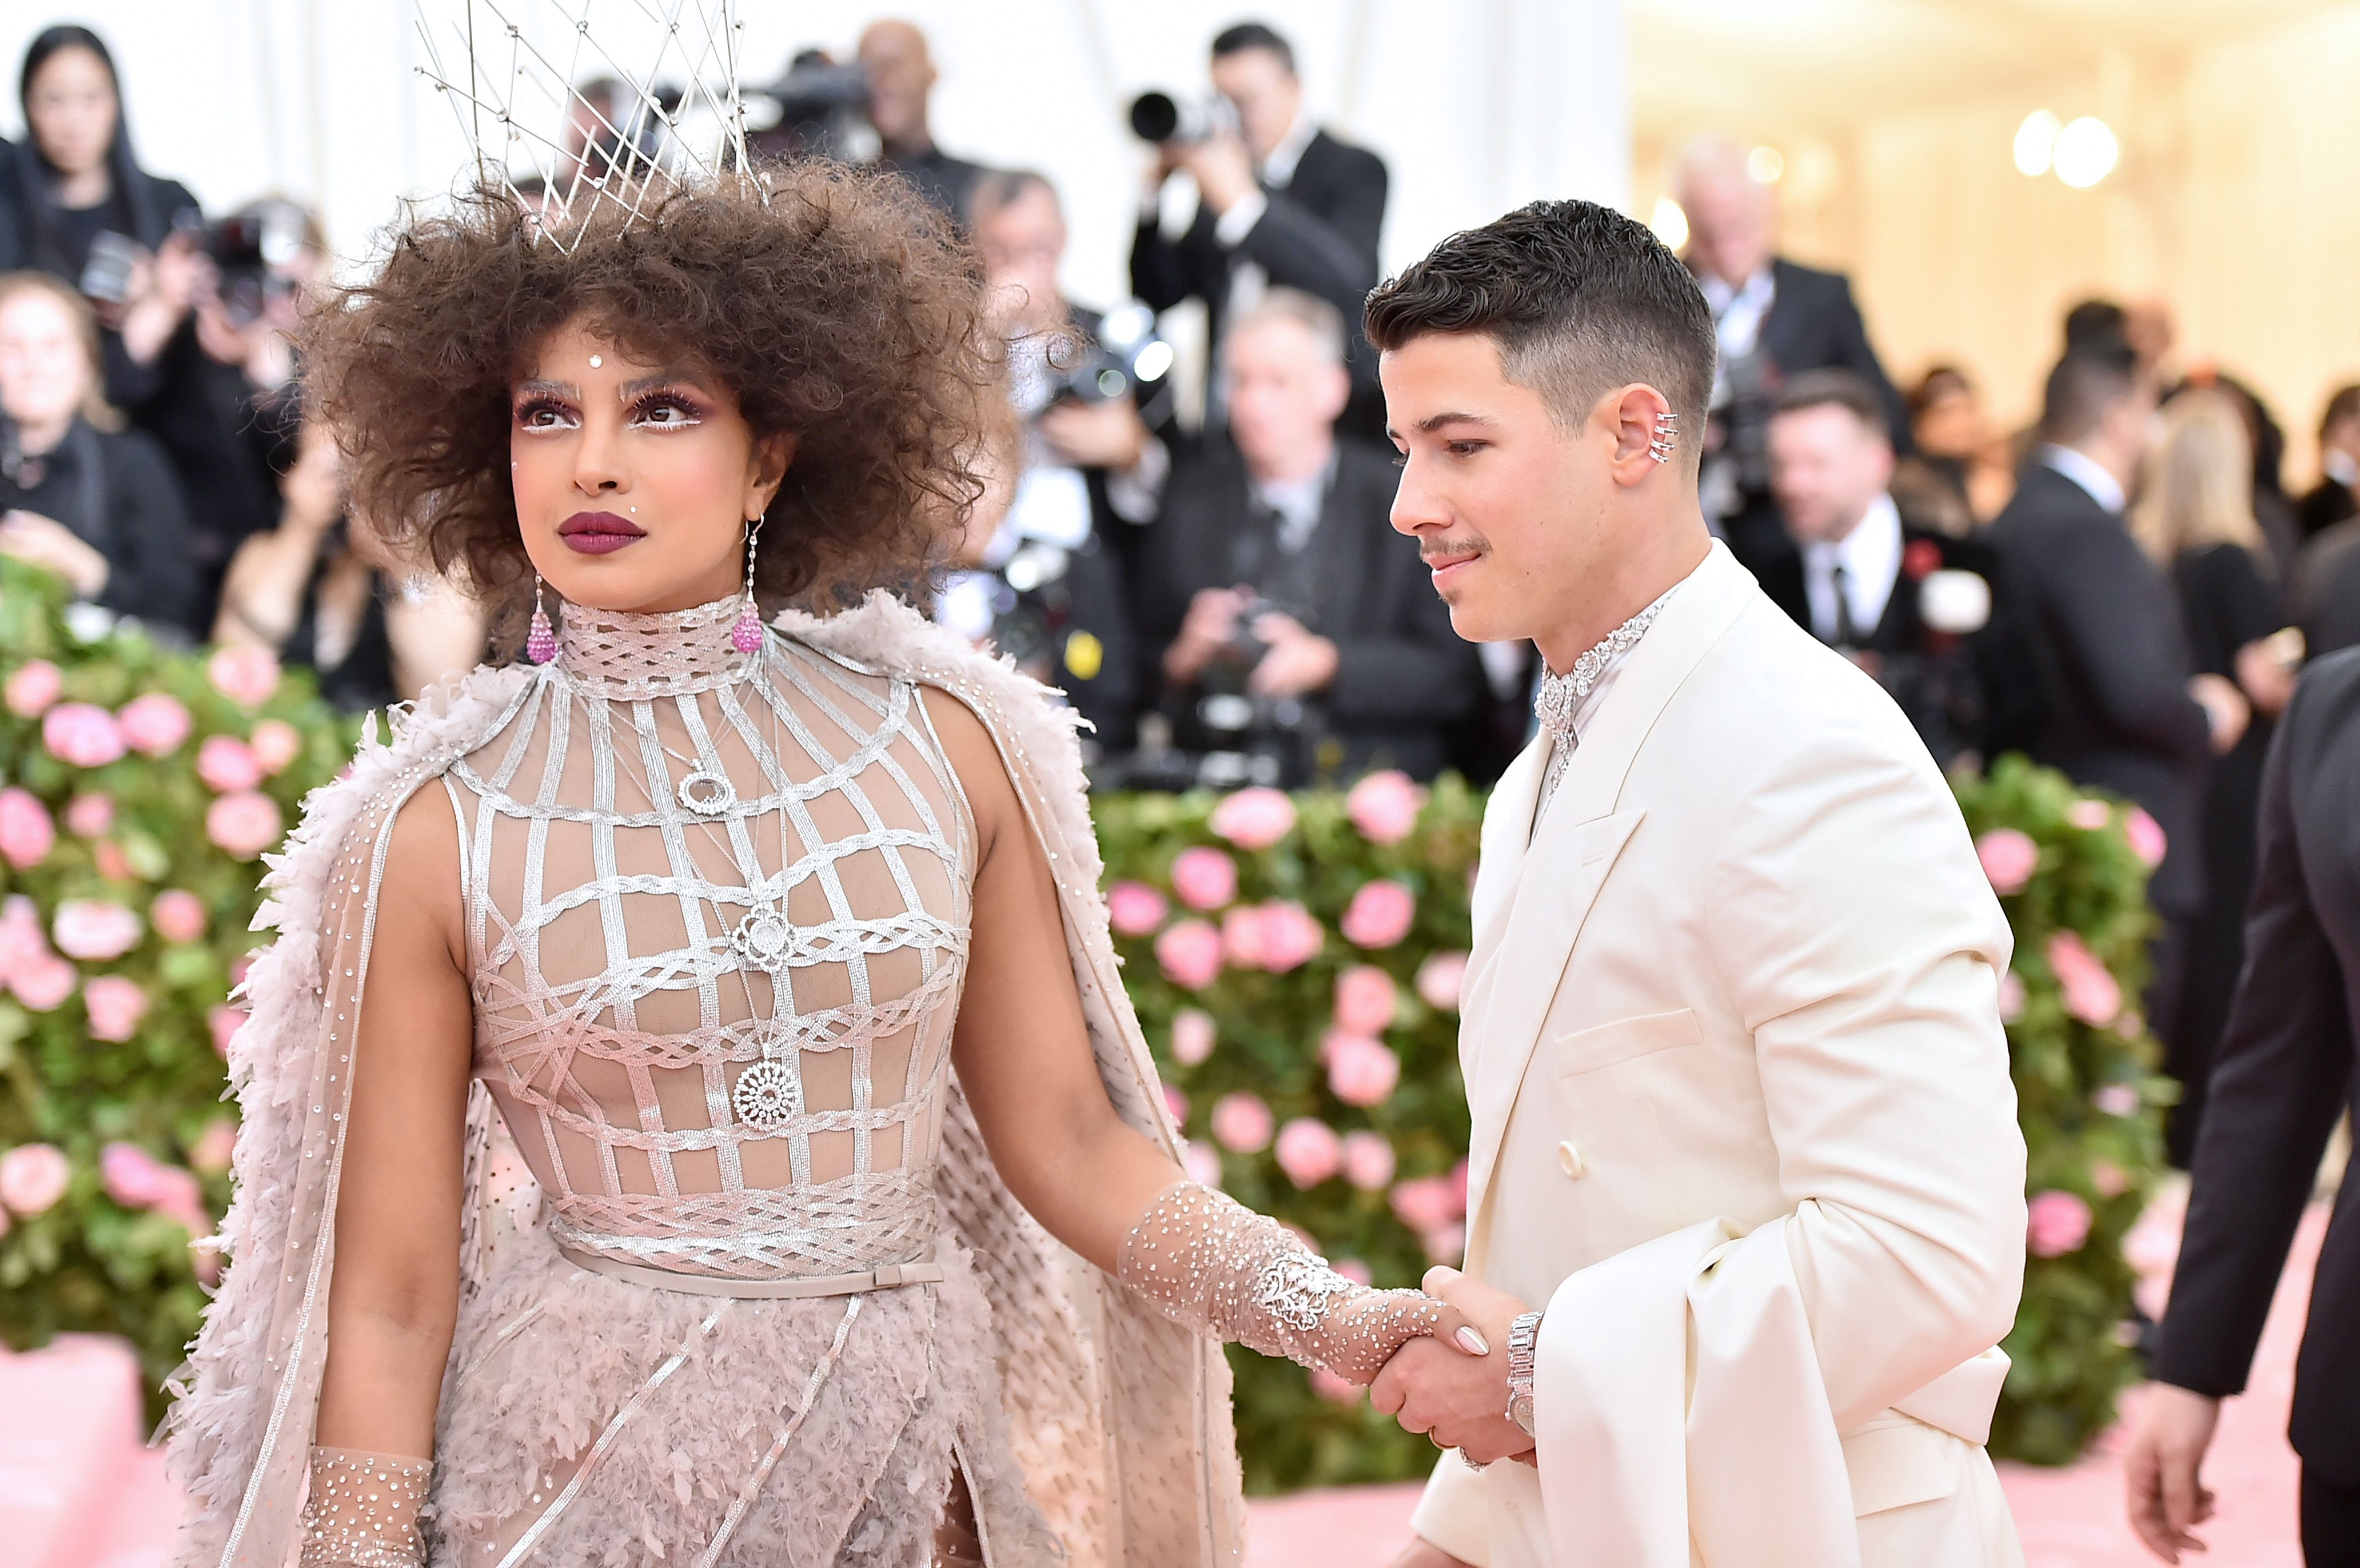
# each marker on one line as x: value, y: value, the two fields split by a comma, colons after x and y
x: 362, y: 1511
x: 1217, y: 1268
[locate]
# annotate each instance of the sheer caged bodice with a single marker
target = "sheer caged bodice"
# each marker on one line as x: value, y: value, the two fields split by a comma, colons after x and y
x: 717, y: 910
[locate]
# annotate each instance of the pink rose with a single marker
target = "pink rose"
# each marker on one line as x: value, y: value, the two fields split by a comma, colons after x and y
x: 1242, y: 1123
x: 115, y: 1006
x: 1242, y: 938
x: 2056, y: 1224
x: 1177, y: 1104
x: 136, y: 1180
x: 2009, y: 859
x: 1380, y: 914
x: 224, y: 1023
x: 32, y: 1177
x: 1135, y: 908
x: 1356, y: 1269
x: 154, y: 724
x: 2091, y: 993
x: 112, y: 863
x: 178, y: 915
x: 1366, y: 1000
x: 1439, y: 980
x: 1384, y: 806
x: 1335, y: 1389
x: 2089, y: 815
x: 1190, y: 954
x: 1360, y: 1071
x: 1458, y: 1180
x: 1191, y: 1036
x: 276, y: 744
x: 2117, y: 1099
x: 1203, y: 1163
x: 26, y: 834
x: 1253, y: 819
x: 245, y: 823
x: 2011, y: 998
x: 2109, y: 1179
x: 1367, y: 1161
x: 215, y: 1147
x: 94, y: 929
x: 1446, y: 1244
x: 246, y: 675
x: 89, y: 816
x: 1424, y: 1204
x: 21, y: 940
x: 44, y: 984
x: 2146, y: 835
x: 1204, y: 877
x: 81, y: 735
x: 1309, y: 1152
x: 1291, y: 936
x: 32, y: 687
x: 226, y: 763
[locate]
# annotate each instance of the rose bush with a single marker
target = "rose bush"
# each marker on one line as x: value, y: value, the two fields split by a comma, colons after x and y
x: 120, y: 938
x: 1326, y: 1090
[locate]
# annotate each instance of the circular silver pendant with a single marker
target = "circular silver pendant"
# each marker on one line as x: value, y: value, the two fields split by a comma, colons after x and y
x: 762, y: 940
x: 708, y: 793
x: 767, y: 1096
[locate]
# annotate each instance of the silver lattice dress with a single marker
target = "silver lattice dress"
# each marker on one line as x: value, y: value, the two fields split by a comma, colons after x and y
x: 718, y: 917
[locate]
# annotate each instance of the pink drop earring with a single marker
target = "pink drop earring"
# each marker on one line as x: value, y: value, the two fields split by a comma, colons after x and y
x: 541, y: 641
x: 745, y: 637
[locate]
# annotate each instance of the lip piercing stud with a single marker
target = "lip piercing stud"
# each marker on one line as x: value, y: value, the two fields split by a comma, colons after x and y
x: 1668, y: 433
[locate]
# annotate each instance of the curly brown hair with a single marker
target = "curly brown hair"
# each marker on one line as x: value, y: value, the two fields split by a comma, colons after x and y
x: 834, y: 304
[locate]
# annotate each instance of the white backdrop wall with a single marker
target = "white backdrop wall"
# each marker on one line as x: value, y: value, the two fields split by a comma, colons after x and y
x: 1477, y: 108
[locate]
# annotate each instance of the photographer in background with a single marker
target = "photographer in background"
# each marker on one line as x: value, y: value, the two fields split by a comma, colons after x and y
x: 79, y: 495
x: 1280, y: 204
x: 1045, y: 586
x: 901, y: 80
x: 1301, y: 639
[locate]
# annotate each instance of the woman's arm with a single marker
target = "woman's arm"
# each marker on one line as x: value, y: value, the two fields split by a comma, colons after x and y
x: 262, y: 595
x: 1096, y: 1184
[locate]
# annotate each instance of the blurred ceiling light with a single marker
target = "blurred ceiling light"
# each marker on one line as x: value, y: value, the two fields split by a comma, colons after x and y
x: 2086, y: 152
x: 1671, y: 224
x: 2036, y: 143
x: 1766, y: 164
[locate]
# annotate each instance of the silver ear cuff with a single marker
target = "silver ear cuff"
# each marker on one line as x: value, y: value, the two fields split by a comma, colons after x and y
x: 1667, y: 437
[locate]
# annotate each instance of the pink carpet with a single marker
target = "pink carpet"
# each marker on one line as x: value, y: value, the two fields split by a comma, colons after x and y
x: 77, y: 1491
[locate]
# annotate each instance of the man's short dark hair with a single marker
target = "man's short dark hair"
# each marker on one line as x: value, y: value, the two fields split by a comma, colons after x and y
x: 2096, y: 325
x: 1834, y: 389
x: 996, y: 189
x: 2085, y: 384
x: 1244, y: 35
x: 1580, y: 298
x: 2344, y: 405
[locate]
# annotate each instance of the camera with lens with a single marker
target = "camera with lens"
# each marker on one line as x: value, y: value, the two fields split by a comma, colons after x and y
x: 818, y: 109
x: 250, y: 250
x: 1163, y: 117
x: 1254, y: 739
x: 1123, y: 357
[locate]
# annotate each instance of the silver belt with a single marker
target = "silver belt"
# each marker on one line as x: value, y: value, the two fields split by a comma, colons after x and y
x: 888, y: 1276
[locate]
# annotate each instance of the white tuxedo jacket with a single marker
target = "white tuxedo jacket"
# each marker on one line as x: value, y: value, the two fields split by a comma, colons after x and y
x: 1742, y: 1122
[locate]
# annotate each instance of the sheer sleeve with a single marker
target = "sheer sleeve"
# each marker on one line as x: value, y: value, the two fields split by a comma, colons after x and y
x: 1217, y: 1268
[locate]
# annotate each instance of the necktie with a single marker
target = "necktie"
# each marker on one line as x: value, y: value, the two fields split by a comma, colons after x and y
x: 1847, y: 631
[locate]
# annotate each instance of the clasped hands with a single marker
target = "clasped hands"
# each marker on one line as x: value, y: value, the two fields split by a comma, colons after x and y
x: 1448, y: 1391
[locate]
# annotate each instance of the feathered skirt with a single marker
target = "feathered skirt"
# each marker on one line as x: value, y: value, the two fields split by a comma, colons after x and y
x: 588, y: 1422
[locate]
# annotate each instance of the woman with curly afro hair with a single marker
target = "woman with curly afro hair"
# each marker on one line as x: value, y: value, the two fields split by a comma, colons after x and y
x: 692, y: 1112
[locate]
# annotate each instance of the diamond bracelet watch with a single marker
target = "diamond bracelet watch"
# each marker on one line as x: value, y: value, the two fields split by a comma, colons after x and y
x: 1524, y: 1343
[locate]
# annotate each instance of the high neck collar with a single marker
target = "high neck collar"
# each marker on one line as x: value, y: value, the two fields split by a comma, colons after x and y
x: 609, y: 653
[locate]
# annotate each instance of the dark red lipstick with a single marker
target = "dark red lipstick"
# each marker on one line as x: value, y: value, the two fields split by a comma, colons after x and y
x: 598, y: 533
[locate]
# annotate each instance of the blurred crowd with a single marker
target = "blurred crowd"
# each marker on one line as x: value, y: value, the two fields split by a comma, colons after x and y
x: 2124, y: 590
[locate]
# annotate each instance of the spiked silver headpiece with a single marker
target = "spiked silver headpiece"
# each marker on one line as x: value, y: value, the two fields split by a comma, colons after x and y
x: 557, y: 120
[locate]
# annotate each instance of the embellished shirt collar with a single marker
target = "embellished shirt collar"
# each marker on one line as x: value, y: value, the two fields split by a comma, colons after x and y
x: 629, y: 657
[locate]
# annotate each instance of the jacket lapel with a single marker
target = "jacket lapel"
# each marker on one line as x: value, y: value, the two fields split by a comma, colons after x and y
x: 1575, y: 846
x: 1507, y: 832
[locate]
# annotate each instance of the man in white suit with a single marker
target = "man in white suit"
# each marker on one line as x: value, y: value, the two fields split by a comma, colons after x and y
x: 1746, y: 1212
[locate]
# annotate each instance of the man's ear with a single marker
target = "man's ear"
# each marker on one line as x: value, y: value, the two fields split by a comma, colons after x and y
x: 1631, y: 416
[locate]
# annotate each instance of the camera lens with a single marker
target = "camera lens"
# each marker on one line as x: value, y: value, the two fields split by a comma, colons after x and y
x: 1154, y: 116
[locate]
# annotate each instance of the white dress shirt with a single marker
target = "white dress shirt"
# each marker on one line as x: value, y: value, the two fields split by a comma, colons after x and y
x: 2088, y: 473
x: 1738, y: 314
x: 1871, y: 558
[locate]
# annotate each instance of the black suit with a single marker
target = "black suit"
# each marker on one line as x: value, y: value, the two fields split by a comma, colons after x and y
x: 1812, y: 324
x: 1935, y: 677
x: 1318, y: 235
x: 2327, y: 589
x: 2286, y: 1075
x: 1403, y: 676
x: 2325, y: 506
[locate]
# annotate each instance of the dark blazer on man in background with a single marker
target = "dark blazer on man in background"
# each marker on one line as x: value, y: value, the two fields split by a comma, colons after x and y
x: 2286, y: 1075
x: 2326, y: 598
x: 1935, y: 677
x: 1813, y: 324
x: 1318, y: 235
x: 2098, y: 665
x: 1403, y: 676
x: 2323, y: 506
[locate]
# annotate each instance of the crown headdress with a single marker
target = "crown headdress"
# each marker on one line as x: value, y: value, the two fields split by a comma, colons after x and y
x: 565, y: 128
